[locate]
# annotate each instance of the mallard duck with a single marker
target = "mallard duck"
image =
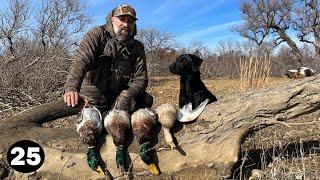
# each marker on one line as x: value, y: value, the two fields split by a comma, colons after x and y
x: 117, y: 123
x: 143, y: 122
x: 89, y: 126
x: 167, y: 115
x: 300, y: 72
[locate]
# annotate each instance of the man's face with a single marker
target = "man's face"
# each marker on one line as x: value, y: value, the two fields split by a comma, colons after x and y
x: 123, y: 26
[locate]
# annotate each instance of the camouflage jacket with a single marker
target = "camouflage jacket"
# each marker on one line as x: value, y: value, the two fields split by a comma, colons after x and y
x: 106, y: 67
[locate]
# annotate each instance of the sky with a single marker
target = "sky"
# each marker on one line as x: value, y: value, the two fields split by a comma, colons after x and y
x: 207, y: 21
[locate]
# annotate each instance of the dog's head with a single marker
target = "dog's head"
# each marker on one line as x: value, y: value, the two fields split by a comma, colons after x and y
x: 185, y: 64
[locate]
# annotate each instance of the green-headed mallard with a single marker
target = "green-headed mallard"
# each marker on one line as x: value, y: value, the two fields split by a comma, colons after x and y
x: 143, y: 122
x: 89, y: 126
x: 117, y: 123
x: 93, y: 161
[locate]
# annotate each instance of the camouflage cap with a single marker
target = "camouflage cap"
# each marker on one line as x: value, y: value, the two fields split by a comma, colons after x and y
x: 125, y: 9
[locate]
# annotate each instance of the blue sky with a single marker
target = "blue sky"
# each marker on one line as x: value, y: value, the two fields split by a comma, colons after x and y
x: 208, y: 21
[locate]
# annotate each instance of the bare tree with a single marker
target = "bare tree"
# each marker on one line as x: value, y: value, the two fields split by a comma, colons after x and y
x: 43, y: 42
x: 264, y: 18
x: 159, y: 46
x: 155, y: 40
x: 198, y: 48
x: 59, y: 22
x: 307, y: 23
x: 13, y: 22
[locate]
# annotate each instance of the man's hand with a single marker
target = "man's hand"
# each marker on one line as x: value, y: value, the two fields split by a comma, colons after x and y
x: 71, y: 98
x: 123, y: 101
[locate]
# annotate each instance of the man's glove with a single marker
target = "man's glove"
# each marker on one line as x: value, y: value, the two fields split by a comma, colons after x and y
x: 123, y: 101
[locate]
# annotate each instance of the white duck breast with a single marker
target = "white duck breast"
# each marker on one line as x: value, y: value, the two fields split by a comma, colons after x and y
x: 89, y: 124
x: 143, y: 120
x: 117, y: 122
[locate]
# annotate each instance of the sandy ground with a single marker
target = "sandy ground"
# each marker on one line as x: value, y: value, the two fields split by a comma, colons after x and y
x: 278, y: 152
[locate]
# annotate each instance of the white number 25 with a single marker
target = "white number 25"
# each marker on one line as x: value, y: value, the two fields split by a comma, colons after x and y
x: 32, y: 152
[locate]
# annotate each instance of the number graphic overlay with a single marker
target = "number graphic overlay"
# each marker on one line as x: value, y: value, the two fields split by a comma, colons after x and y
x: 25, y: 156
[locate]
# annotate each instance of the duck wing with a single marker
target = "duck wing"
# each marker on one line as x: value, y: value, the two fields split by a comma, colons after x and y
x: 186, y: 114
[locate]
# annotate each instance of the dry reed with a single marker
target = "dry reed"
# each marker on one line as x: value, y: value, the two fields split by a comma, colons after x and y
x: 254, y: 73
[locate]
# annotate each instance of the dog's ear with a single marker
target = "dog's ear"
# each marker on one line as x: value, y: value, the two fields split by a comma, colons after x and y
x: 183, y: 58
x: 196, y: 63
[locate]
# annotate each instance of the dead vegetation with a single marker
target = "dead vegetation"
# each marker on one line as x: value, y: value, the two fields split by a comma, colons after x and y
x: 275, y: 152
x: 34, y: 63
x: 278, y: 152
x: 254, y: 73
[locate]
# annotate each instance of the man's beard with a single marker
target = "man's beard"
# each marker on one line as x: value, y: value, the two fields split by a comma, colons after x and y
x: 122, y: 35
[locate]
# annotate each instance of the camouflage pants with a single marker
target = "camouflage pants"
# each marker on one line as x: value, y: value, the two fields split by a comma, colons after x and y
x: 143, y: 101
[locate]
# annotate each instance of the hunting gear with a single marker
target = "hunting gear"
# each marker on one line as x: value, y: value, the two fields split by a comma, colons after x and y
x: 109, y: 72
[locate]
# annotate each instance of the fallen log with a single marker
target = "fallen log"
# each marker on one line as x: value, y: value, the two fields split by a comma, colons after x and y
x: 222, y: 127
x: 41, y: 114
x: 214, y: 138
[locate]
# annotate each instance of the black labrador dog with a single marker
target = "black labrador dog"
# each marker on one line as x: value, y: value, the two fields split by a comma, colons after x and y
x: 192, y: 89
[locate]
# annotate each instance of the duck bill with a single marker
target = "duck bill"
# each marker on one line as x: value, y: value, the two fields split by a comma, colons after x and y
x: 154, y: 170
x: 100, y: 171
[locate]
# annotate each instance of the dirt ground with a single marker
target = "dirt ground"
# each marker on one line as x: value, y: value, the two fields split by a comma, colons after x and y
x: 276, y: 152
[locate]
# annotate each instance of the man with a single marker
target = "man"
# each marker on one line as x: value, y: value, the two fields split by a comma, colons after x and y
x: 114, y: 64
x: 110, y: 70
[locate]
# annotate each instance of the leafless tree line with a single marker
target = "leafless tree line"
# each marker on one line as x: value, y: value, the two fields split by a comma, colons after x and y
x: 273, y: 19
x: 266, y: 25
x: 36, y: 44
x: 224, y: 61
x: 37, y: 41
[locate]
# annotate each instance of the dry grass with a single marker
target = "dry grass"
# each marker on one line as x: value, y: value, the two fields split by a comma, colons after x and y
x: 254, y: 73
x: 285, y: 153
x: 166, y: 89
x: 277, y: 151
